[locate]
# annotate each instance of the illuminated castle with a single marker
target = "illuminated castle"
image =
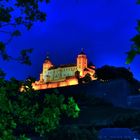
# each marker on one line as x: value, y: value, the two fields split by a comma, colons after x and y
x: 64, y: 75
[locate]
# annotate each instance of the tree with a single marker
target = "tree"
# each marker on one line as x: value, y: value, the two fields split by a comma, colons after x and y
x: 110, y: 72
x: 14, y: 14
x: 23, y: 109
x: 87, y: 78
x: 77, y: 75
x: 105, y: 73
x: 135, y: 48
x: 125, y: 73
x: 31, y: 111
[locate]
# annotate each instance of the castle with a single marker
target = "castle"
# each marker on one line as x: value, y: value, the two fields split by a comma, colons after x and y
x: 64, y: 75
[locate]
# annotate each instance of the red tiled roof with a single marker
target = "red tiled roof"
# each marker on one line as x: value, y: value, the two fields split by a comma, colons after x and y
x: 63, y: 66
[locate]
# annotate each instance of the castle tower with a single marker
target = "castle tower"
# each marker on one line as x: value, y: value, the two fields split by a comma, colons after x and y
x: 46, y: 65
x: 81, y: 62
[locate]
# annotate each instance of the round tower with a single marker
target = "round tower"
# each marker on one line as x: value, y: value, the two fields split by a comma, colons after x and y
x: 46, y: 66
x: 81, y: 62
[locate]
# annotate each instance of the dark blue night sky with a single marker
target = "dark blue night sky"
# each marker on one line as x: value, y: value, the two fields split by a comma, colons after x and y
x: 102, y: 27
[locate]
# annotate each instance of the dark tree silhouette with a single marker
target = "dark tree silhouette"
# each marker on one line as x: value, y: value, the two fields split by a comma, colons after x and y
x: 26, y: 109
x: 87, y: 78
x: 77, y: 75
x: 135, y: 48
x: 14, y: 14
x: 110, y: 72
x: 106, y: 73
x: 30, y: 111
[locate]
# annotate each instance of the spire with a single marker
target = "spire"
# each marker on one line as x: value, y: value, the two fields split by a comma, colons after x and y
x: 48, y: 58
x: 82, y: 51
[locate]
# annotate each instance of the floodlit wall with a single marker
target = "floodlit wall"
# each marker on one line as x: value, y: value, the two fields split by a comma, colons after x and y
x: 67, y: 82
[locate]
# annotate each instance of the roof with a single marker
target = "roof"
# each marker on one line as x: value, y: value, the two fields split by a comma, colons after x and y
x: 82, y: 52
x: 63, y: 66
x: 92, y: 67
x: 53, y: 67
x: 115, y: 132
x: 67, y: 65
x: 89, y: 68
x: 47, y: 60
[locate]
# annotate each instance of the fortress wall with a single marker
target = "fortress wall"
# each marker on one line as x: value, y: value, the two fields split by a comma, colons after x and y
x: 67, y: 82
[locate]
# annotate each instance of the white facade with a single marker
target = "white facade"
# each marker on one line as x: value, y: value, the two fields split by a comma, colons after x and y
x: 59, y: 73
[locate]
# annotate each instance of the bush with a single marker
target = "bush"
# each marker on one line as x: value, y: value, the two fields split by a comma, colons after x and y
x: 31, y: 111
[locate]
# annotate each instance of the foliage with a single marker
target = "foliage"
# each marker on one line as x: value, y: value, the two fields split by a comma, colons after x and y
x: 30, y: 111
x: 14, y: 14
x: 135, y: 48
x: 72, y: 109
x: 110, y: 72
x: 23, y: 137
x: 77, y: 74
x: 87, y: 78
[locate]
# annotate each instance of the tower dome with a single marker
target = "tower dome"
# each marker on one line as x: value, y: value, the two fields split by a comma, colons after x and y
x: 47, y: 64
x: 47, y: 60
x: 82, y: 52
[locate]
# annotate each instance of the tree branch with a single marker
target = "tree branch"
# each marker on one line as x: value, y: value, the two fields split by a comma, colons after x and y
x: 6, y: 32
x: 9, y: 24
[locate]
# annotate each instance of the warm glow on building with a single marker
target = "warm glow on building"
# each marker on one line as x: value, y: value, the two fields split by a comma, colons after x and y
x: 64, y: 75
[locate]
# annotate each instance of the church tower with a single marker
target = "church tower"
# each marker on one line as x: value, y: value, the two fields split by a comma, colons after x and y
x: 81, y: 62
x: 46, y: 66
